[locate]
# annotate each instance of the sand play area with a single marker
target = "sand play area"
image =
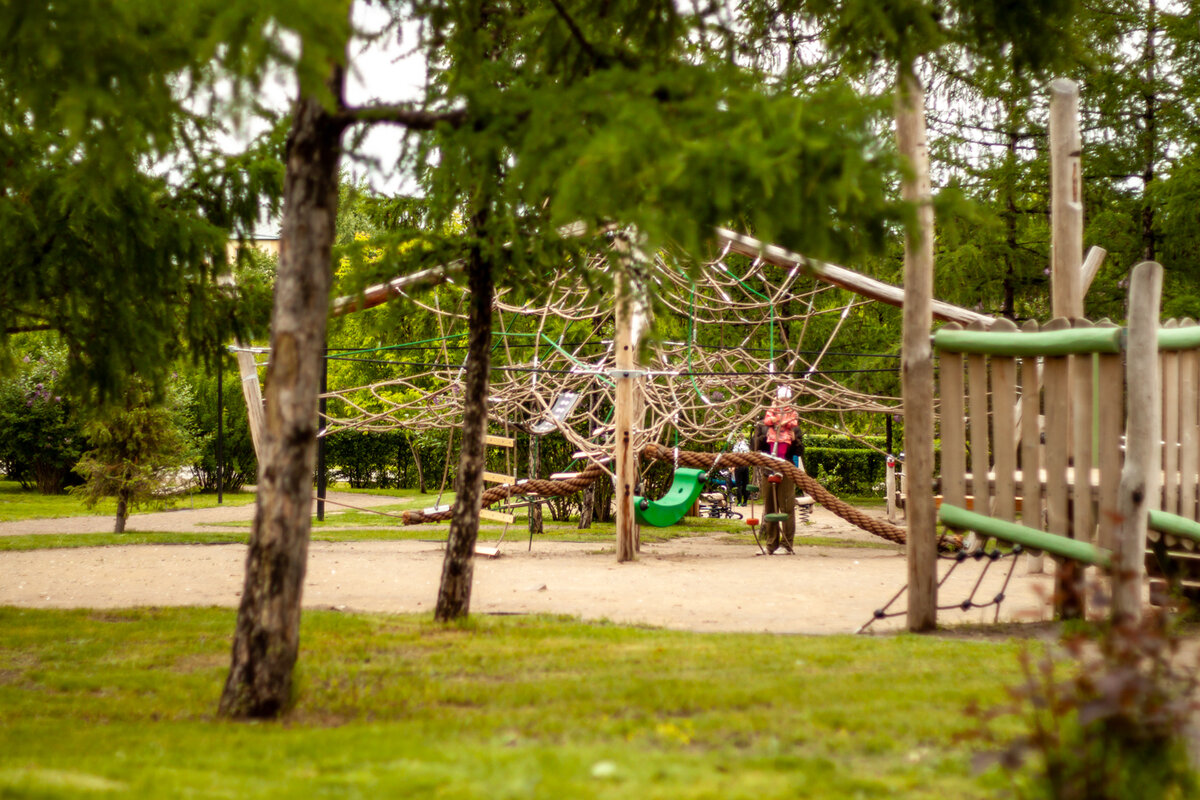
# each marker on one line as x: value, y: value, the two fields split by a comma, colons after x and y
x: 694, y: 583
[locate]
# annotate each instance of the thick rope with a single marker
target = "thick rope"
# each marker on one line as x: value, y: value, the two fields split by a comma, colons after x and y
x: 705, y: 461
x: 872, y: 525
x: 533, y: 486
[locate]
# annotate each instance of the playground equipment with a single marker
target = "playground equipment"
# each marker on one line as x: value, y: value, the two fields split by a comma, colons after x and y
x: 1090, y: 485
x: 672, y: 506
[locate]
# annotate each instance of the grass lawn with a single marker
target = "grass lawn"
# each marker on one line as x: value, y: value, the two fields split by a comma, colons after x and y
x: 17, y: 503
x: 122, y: 703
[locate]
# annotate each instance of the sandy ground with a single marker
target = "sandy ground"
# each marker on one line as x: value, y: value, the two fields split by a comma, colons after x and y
x: 698, y: 584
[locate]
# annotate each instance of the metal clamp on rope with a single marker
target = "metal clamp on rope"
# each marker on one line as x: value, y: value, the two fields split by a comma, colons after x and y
x: 626, y: 373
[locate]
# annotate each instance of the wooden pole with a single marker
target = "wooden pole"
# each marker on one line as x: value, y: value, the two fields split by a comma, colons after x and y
x: 1139, y: 492
x: 1066, y: 201
x: 220, y: 427
x: 252, y: 394
x: 625, y: 455
x: 916, y: 358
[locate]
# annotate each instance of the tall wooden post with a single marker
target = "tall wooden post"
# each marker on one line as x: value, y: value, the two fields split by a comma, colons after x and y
x: 1066, y: 201
x: 625, y: 452
x: 220, y: 427
x: 1066, y: 268
x: 1140, y: 477
x: 916, y: 357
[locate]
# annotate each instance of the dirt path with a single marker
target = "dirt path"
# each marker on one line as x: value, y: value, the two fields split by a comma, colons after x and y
x: 699, y: 584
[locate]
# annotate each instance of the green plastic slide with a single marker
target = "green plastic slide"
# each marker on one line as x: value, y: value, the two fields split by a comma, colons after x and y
x: 671, y: 507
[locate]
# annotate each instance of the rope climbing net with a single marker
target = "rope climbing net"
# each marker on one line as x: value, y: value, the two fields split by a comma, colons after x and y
x: 730, y: 334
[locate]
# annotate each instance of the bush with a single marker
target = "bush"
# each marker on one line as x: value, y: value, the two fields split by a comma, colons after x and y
x: 843, y: 465
x: 41, y: 431
x: 1116, y: 727
x: 241, y: 464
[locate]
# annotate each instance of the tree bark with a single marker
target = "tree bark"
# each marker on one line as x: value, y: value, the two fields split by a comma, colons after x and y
x: 458, y: 567
x: 1149, y: 133
x: 417, y: 463
x: 122, y: 513
x: 266, y: 641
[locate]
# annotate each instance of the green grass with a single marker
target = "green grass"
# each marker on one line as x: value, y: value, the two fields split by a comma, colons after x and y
x: 121, y: 703
x: 19, y: 504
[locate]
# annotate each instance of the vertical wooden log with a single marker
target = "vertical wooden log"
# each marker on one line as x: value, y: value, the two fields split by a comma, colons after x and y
x: 1068, y: 599
x: 1108, y: 457
x: 1083, y: 520
x: 1004, y: 427
x: 889, y: 486
x: 977, y: 422
x: 252, y: 394
x: 1031, y: 448
x: 954, y: 436
x: 1189, y: 367
x: 1066, y: 200
x: 1169, y: 364
x: 625, y: 457
x: 1140, y: 476
x: 916, y: 360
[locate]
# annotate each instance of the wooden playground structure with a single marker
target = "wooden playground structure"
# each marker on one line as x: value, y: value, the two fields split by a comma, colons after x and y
x: 1069, y: 438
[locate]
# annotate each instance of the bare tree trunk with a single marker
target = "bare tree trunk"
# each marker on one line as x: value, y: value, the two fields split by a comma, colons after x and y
x: 267, y: 638
x: 1149, y: 133
x: 417, y: 461
x: 458, y: 568
x: 589, y: 507
x: 122, y: 512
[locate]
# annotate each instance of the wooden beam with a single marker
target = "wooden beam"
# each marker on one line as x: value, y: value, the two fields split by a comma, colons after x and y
x: 1139, y: 492
x: 856, y: 282
x: 1066, y: 200
x: 916, y: 354
x: 625, y: 453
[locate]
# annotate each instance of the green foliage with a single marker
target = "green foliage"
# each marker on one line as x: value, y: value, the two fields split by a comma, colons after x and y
x: 1117, y: 726
x: 137, y: 447
x: 240, y: 465
x: 843, y: 466
x: 503, y: 707
x: 41, y: 430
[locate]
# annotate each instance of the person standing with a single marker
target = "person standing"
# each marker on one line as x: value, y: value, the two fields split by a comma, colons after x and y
x: 780, y: 421
x: 741, y: 475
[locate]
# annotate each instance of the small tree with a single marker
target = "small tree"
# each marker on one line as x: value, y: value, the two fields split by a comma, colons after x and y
x: 137, y: 445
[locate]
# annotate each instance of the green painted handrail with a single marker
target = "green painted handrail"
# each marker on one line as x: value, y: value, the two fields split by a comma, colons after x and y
x: 1042, y: 343
x: 1061, y: 546
x: 1175, y: 525
x: 1179, y: 338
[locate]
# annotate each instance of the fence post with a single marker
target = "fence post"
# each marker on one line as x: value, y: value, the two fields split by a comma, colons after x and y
x: 1139, y: 492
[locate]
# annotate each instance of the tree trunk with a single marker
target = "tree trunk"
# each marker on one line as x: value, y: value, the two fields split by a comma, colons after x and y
x: 589, y: 507
x: 417, y: 462
x: 1149, y: 133
x: 454, y: 592
x: 122, y: 512
x: 267, y: 638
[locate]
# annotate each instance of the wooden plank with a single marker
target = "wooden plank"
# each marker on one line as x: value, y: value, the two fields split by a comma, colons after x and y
x: 977, y: 425
x: 1169, y: 364
x: 1139, y: 478
x: 1110, y: 427
x: 1031, y: 447
x: 954, y: 436
x: 496, y: 516
x: 1189, y: 443
x: 563, y: 476
x: 1004, y: 434
x: 499, y: 477
x: 484, y: 550
x: 499, y: 441
x: 1082, y: 378
x: 1056, y: 452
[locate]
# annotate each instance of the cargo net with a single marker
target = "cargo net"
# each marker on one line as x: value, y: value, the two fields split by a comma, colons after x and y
x: 739, y: 330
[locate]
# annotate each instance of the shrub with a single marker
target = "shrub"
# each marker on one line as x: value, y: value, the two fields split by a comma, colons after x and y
x: 843, y: 465
x: 41, y: 431
x: 1116, y: 727
x: 240, y: 463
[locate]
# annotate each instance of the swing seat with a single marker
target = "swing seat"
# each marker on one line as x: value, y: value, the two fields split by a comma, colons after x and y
x: 670, y: 508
